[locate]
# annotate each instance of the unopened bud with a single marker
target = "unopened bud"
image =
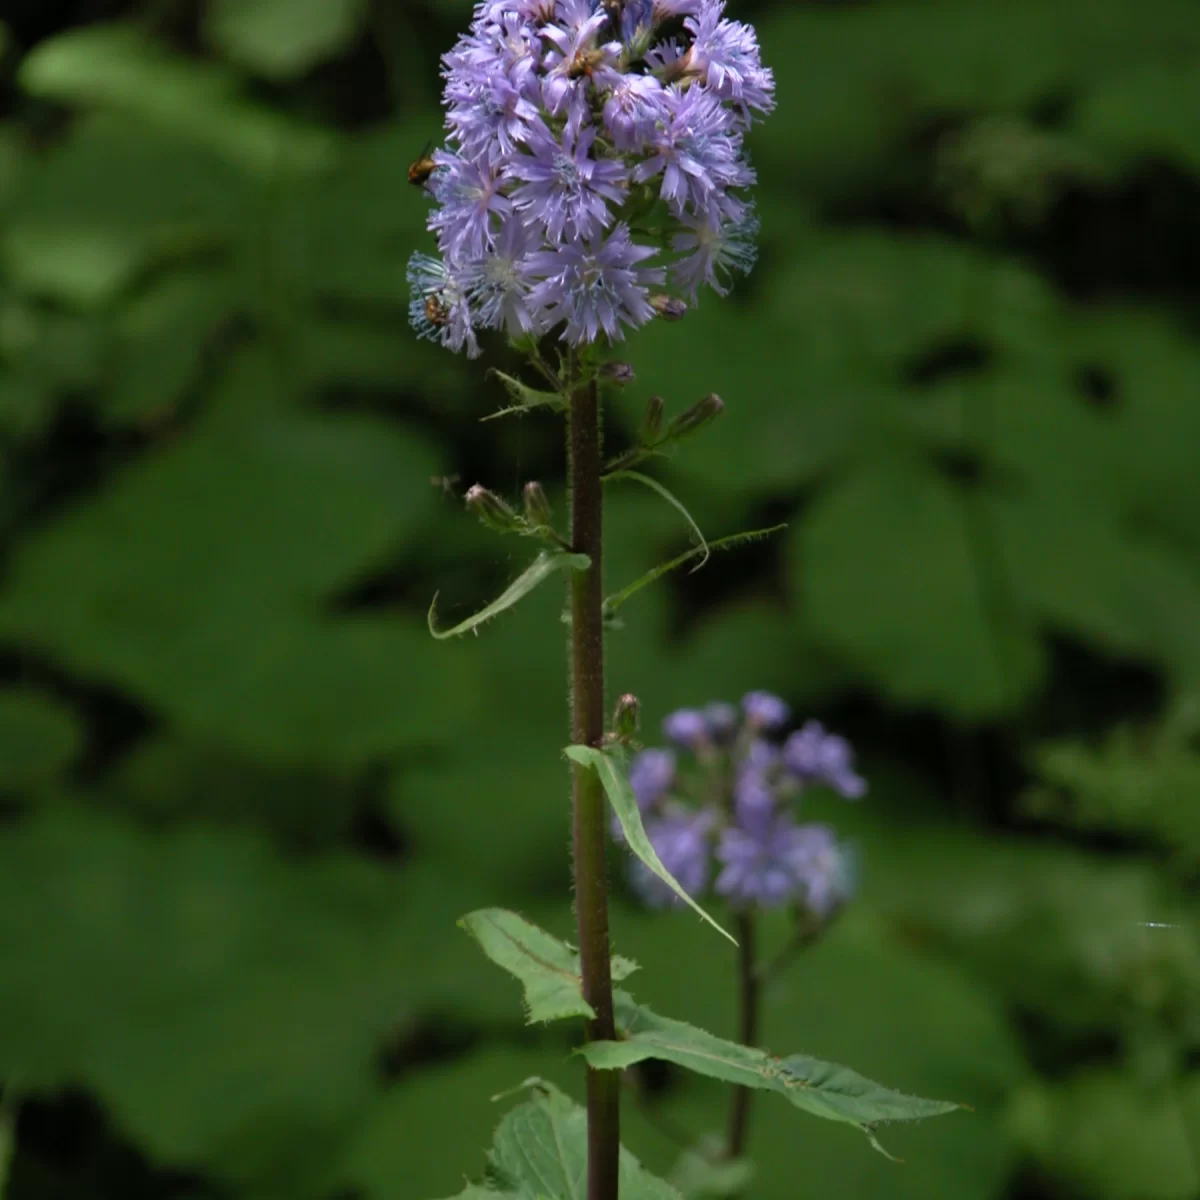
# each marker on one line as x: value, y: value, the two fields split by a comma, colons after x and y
x: 696, y: 417
x: 670, y: 308
x: 652, y: 422
x: 625, y: 717
x: 492, y: 511
x: 619, y: 373
x: 537, y: 507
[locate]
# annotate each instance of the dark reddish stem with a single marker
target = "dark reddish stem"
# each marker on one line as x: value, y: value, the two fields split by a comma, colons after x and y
x: 587, y: 729
x: 748, y: 997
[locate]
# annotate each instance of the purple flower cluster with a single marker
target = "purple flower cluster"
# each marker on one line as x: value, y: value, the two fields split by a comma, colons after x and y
x: 739, y: 824
x: 585, y: 138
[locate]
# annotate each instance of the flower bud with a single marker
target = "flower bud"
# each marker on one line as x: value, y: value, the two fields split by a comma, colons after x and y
x: 492, y: 511
x: 696, y: 417
x: 670, y: 308
x: 652, y: 422
x: 537, y: 507
x: 618, y: 372
x: 625, y: 717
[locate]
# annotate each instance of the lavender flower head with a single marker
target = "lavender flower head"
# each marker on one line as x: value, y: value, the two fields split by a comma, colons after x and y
x: 726, y: 818
x: 585, y: 138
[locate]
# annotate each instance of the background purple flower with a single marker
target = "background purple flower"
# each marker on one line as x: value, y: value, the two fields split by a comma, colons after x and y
x: 682, y: 840
x: 763, y: 862
x: 765, y: 711
x: 721, y: 720
x: 651, y: 775
x: 816, y: 757
x: 686, y: 727
x: 824, y: 867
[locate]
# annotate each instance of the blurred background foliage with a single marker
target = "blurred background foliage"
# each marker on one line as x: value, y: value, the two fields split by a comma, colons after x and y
x: 244, y: 796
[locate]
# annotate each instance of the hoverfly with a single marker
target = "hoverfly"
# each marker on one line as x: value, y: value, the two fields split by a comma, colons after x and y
x: 422, y: 168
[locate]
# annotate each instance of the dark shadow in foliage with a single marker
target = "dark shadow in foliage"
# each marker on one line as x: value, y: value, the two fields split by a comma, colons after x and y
x: 757, y: 569
x: 115, y: 722
x: 66, y: 1146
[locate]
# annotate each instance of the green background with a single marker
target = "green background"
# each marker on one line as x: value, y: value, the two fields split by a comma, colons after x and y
x: 244, y: 796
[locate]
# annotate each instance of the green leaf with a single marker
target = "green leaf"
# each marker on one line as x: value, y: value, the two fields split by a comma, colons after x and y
x: 613, y: 602
x: 537, y: 572
x: 540, y: 1153
x: 610, y: 766
x: 281, y: 38
x: 673, y: 501
x: 704, y: 1171
x: 211, y: 1057
x: 38, y: 738
x: 118, y: 67
x: 823, y: 1089
x: 524, y: 397
x: 202, y: 579
x: 547, y: 967
x: 899, y: 576
x: 1104, y: 1137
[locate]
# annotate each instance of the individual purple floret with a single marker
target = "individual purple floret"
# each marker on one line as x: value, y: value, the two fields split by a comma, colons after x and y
x: 594, y: 288
x: 567, y: 116
x: 565, y: 188
x: 682, y: 841
x: 816, y: 757
x: 713, y: 249
x: 765, y: 711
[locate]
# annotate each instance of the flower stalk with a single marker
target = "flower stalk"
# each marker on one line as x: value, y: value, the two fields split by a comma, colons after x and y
x: 584, y: 466
x: 748, y: 1007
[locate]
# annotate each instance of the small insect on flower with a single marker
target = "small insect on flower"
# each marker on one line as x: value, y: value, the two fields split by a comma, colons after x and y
x: 436, y: 311
x: 422, y: 168
x: 585, y: 62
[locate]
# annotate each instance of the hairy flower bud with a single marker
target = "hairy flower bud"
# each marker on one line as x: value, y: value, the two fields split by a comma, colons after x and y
x: 493, y: 511
x: 537, y: 507
x: 652, y: 422
x: 670, y: 308
x: 625, y: 717
x: 619, y: 373
x: 696, y: 417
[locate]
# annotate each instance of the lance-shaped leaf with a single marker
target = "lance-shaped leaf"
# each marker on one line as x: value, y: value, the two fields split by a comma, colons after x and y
x: 824, y: 1089
x: 613, y: 602
x: 539, y: 1152
x: 673, y: 501
x: 539, y: 570
x: 609, y: 764
x: 524, y: 398
x: 547, y: 967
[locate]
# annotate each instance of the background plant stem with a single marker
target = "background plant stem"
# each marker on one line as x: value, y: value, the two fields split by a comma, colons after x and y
x: 587, y: 728
x: 748, y: 996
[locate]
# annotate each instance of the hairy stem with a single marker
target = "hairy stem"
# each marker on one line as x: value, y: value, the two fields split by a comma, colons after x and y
x: 587, y: 729
x: 748, y: 997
